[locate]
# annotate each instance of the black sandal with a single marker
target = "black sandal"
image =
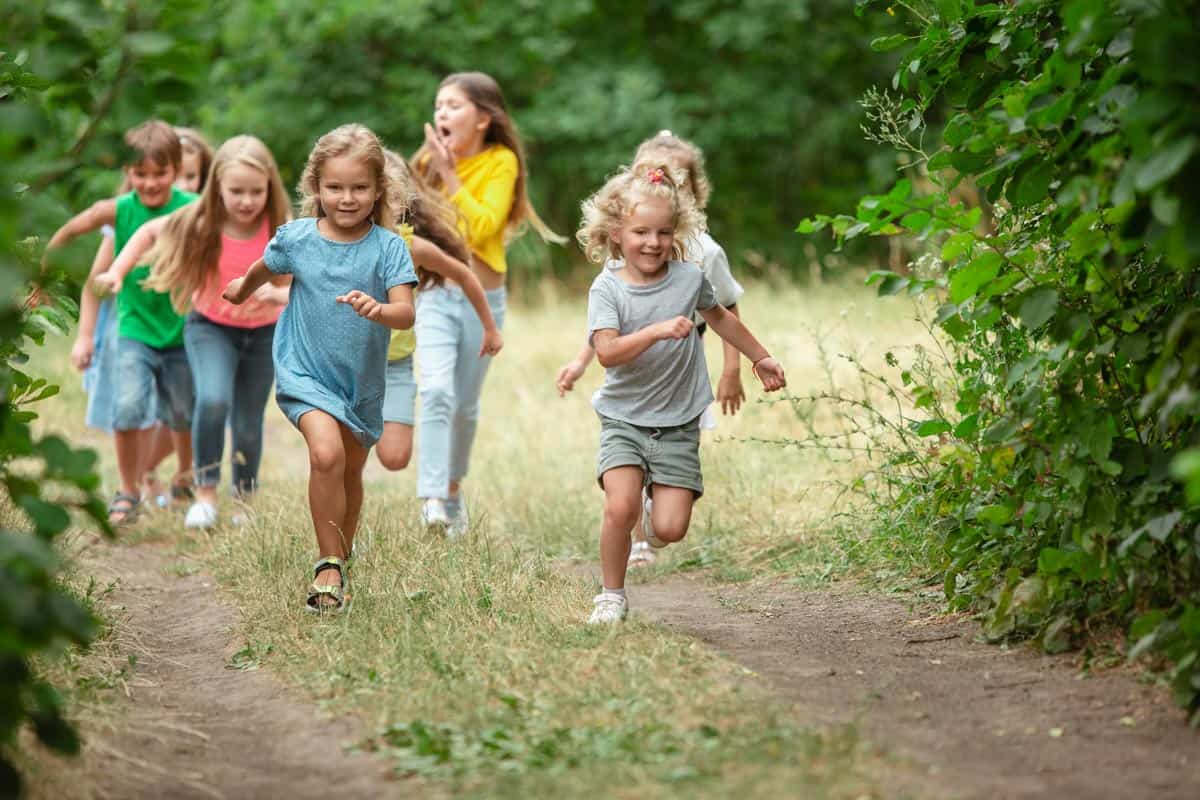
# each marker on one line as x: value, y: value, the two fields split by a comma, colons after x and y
x: 125, y: 505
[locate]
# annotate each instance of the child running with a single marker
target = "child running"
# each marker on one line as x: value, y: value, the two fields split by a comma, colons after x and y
x: 473, y: 155
x: 197, y: 252
x: 352, y: 279
x: 686, y: 159
x: 427, y: 223
x: 197, y: 159
x: 149, y: 369
x: 656, y: 380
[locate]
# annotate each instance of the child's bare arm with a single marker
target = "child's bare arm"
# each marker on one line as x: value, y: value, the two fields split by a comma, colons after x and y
x: 731, y: 329
x: 730, y: 393
x: 100, y: 213
x: 435, y: 259
x: 138, y: 245
x: 573, y: 370
x: 397, y: 313
x: 612, y: 349
x: 89, y: 308
x: 240, y: 289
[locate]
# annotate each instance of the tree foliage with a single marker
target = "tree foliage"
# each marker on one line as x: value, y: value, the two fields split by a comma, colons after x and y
x: 1061, y: 481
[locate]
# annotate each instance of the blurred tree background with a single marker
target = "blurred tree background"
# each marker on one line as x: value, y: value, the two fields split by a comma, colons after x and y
x: 768, y: 88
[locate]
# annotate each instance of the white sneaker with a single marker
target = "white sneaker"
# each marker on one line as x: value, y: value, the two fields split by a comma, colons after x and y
x: 647, y: 525
x: 433, y: 513
x: 201, y: 515
x: 460, y: 523
x: 609, y: 608
x: 641, y: 553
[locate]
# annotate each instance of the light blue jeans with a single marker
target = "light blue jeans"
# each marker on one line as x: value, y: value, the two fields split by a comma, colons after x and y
x: 449, y: 335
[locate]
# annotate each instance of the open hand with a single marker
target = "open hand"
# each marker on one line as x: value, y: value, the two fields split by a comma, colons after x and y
x: 363, y: 304
x: 441, y: 158
x: 730, y: 393
x: 567, y: 375
x: 770, y: 372
x: 233, y: 291
x: 678, y: 328
x: 493, y: 342
x: 105, y: 284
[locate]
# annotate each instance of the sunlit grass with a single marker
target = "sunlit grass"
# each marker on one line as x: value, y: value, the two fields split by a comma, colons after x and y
x: 469, y: 661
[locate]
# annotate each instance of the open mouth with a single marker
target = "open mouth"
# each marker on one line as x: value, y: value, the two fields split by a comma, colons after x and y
x: 444, y: 131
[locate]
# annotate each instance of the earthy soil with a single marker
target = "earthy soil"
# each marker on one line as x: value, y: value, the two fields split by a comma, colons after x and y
x: 976, y: 720
x: 195, y: 728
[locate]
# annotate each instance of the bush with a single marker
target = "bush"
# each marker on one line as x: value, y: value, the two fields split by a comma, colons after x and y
x: 1059, y: 473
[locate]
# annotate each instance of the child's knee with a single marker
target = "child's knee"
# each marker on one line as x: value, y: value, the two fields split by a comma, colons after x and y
x: 395, y: 457
x: 672, y: 531
x: 622, y: 512
x: 327, y: 458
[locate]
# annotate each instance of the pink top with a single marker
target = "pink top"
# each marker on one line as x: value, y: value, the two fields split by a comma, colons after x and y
x: 236, y: 257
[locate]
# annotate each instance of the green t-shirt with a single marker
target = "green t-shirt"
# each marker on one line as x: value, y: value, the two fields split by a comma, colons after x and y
x: 144, y: 315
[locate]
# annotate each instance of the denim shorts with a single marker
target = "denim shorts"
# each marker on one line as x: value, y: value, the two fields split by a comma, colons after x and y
x: 400, y: 399
x: 151, y: 385
x: 667, y: 456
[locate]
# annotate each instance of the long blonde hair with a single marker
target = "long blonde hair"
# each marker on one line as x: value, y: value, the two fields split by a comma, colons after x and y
x: 431, y: 215
x: 347, y: 141
x: 665, y: 146
x: 483, y: 91
x: 186, y: 254
x: 607, y: 210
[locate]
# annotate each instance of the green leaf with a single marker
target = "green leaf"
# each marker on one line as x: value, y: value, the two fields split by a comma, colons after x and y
x: 1037, y: 307
x: 882, y: 44
x: 933, y: 427
x: 149, y: 43
x: 966, y: 282
x: 1031, y: 184
x: 995, y: 514
x: 957, y: 245
x: 1164, y: 163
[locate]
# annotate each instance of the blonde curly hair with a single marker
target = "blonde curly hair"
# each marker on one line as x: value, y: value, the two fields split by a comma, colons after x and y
x: 353, y: 141
x: 665, y: 146
x: 606, y: 211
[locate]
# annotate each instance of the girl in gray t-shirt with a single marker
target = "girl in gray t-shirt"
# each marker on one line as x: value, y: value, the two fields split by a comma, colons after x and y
x: 656, y: 380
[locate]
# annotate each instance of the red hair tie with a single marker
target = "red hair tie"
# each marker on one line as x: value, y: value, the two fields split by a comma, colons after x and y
x: 656, y: 175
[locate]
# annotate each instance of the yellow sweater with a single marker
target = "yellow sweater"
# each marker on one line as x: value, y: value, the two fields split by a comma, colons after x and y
x: 489, y: 180
x: 403, y: 343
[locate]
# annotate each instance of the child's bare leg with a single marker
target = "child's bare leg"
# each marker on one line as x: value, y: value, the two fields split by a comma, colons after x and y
x: 131, y: 458
x: 161, y: 446
x: 639, y: 533
x: 356, y: 459
x: 326, y: 486
x: 672, y: 510
x: 395, y: 446
x: 622, y: 506
x: 181, y: 443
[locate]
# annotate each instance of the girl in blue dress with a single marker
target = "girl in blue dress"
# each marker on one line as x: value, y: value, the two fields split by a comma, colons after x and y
x: 352, y: 281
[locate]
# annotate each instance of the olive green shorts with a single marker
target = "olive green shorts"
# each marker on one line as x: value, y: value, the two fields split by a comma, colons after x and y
x: 667, y: 456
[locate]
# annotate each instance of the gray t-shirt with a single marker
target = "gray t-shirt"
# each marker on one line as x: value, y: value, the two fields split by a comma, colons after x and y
x: 705, y: 251
x: 668, y: 383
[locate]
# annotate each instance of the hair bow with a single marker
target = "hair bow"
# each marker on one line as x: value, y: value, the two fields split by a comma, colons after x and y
x: 656, y: 175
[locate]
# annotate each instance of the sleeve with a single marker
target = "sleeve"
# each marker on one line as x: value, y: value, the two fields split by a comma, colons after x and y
x: 707, y: 297
x: 602, y: 308
x: 486, y: 210
x: 276, y: 255
x: 398, y: 267
x: 716, y: 268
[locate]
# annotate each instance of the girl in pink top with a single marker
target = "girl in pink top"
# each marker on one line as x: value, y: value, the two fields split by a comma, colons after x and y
x: 197, y: 252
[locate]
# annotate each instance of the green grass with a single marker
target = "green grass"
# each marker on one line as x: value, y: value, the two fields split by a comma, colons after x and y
x: 469, y: 662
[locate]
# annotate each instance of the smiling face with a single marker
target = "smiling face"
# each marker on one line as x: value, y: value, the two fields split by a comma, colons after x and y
x: 460, y: 123
x: 647, y: 236
x: 244, y: 192
x: 152, y: 182
x: 348, y: 192
x: 189, y: 173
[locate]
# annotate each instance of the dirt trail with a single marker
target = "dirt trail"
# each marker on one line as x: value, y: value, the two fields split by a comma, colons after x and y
x: 196, y: 729
x: 979, y: 720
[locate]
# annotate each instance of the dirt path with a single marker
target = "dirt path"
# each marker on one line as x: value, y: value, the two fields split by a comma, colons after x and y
x: 198, y: 729
x: 979, y: 720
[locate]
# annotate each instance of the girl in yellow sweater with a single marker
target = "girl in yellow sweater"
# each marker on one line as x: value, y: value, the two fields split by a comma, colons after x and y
x: 473, y: 155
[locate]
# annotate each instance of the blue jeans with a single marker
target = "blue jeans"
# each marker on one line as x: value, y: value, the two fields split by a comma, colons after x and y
x: 233, y: 373
x: 449, y: 335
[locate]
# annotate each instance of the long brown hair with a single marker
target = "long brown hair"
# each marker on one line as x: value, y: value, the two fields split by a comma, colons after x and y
x: 192, y: 142
x: 483, y: 91
x: 350, y: 141
x: 431, y: 215
x: 187, y: 251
